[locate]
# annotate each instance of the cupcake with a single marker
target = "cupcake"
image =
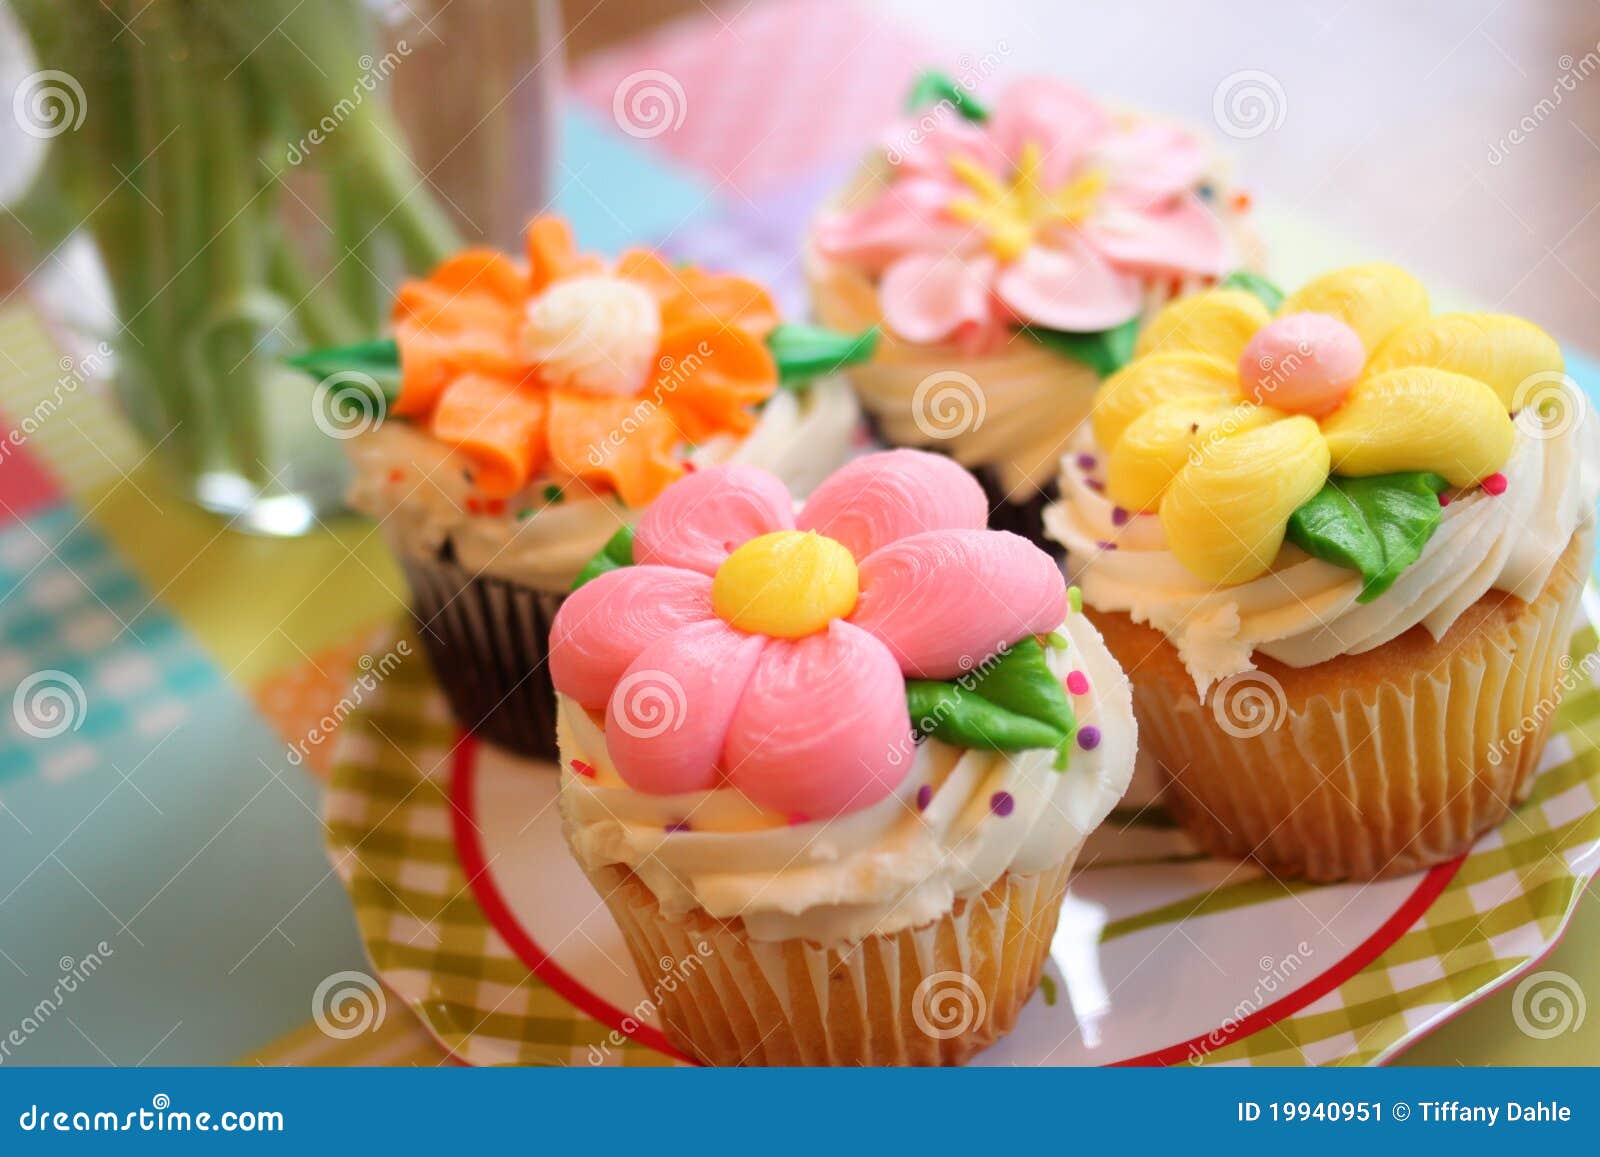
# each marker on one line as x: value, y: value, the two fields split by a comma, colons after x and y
x: 830, y: 768
x: 532, y: 410
x: 1337, y: 542
x: 1008, y: 256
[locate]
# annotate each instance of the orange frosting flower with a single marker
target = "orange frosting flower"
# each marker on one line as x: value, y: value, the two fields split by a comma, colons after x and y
x: 576, y: 368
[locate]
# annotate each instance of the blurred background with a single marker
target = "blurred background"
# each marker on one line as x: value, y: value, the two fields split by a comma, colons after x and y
x: 190, y: 189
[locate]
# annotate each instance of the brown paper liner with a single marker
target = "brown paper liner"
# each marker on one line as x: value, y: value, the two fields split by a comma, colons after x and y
x: 1367, y: 765
x: 934, y: 995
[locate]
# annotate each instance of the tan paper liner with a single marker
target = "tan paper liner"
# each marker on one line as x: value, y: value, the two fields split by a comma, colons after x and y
x: 1368, y: 765
x: 933, y: 995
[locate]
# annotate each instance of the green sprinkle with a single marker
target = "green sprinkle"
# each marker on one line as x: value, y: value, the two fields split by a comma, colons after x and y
x: 1075, y: 600
x: 1047, y: 987
x: 524, y: 514
x: 1057, y: 640
x: 552, y: 493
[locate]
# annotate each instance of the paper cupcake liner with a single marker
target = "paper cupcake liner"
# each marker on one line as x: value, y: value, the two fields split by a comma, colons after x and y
x: 1370, y: 765
x: 489, y: 642
x: 933, y: 995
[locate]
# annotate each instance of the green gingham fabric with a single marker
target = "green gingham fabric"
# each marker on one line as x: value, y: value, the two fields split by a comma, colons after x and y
x: 390, y: 840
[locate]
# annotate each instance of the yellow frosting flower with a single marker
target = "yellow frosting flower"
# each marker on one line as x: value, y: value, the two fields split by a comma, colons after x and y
x: 1230, y: 417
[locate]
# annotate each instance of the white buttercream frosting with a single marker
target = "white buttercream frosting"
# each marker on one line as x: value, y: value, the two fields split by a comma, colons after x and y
x: 884, y: 868
x: 1305, y: 611
x: 416, y: 486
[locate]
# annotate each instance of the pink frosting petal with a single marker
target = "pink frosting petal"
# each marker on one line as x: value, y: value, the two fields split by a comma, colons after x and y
x: 908, y: 217
x: 928, y: 297
x: 944, y: 601
x: 1151, y: 162
x: 925, y: 143
x: 879, y: 498
x: 823, y: 726
x: 1064, y: 122
x: 604, y: 624
x: 702, y: 518
x: 1066, y: 284
x: 1183, y: 236
x: 669, y: 715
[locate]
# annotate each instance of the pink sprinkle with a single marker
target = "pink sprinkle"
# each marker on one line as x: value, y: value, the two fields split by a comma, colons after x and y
x: 1095, y: 484
x: 1444, y: 500
x: 1078, y: 683
x: 1119, y: 516
x: 581, y: 768
x: 798, y: 818
x: 1495, y: 483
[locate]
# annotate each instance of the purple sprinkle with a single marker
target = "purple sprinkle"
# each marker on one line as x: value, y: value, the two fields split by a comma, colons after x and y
x: 1119, y: 516
x: 1001, y: 803
x: 1089, y: 738
x: 678, y: 826
x: 1095, y: 484
x: 924, y: 796
x: 1104, y: 545
x: 1086, y: 462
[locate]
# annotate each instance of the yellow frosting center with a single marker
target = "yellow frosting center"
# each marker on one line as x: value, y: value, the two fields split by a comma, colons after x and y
x: 1012, y: 214
x: 788, y: 584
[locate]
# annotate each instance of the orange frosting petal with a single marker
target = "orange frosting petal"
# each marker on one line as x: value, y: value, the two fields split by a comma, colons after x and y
x: 645, y: 267
x: 624, y: 444
x: 553, y: 254
x: 482, y: 271
x: 500, y: 427
x: 717, y: 375
x: 712, y: 296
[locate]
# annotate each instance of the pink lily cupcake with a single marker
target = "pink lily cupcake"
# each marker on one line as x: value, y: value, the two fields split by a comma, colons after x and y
x: 1338, y: 542
x: 1009, y: 255
x: 847, y: 755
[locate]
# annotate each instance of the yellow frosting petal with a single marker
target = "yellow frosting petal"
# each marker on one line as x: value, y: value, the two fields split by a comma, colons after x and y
x: 1374, y: 300
x: 1148, y: 381
x: 1160, y: 442
x: 1420, y: 419
x: 787, y: 584
x: 1217, y: 323
x: 1499, y: 350
x: 1225, y: 515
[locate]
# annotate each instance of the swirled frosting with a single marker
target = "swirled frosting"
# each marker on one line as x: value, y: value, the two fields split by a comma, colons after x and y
x: 1305, y: 611
x: 956, y: 822
x: 417, y: 487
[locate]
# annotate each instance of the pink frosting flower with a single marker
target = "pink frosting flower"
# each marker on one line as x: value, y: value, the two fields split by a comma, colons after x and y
x: 1051, y: 212
x: 767, y: 651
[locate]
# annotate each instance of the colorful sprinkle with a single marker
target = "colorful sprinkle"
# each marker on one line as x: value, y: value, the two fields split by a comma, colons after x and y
x: 1089, y: 738
x: 1495, y: 484
x: 1104, y: 545
x: 581, y: 768
x: 552, y: 493
x: 1087, y: 462
x: 474, y: 505
x: 797, y: 818
x: 688, y: 466
x: 1095, y: 484
x: 1002, y: 803
x: 677, y: 826
x: 1241, y: 202
x: 924, y: 797
x: 1075, y: 599
x: 397, y: 475
x: 495, y: 506
x: 1445, y: 500
x: 1119, y: 516
x: 1057, y: 641
x: 1078, y: 683
x: 524, y: 514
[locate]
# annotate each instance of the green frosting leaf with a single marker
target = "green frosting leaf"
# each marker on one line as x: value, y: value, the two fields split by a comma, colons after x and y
x: 1013, y: 703
x: 378, y: 362
x: 807, y: 352
x: 617, y: 552
x: 1271, y: 296
x: 1104, y: 352
x: 934, y: 87
x: 1375, y: 525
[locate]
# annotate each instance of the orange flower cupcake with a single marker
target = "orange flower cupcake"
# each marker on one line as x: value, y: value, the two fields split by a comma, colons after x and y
x: 525, y: 412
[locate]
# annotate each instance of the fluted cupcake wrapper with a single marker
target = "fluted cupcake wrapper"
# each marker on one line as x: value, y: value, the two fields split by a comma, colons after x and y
x: 934, y: 995
x: 489, y: 643
x: 1380, y: 778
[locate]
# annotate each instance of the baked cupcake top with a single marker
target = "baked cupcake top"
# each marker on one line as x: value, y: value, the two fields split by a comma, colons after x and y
x: 1048, y: 214
x: 741, y: 701
x: 1314, y: 475
x: 514, y: 389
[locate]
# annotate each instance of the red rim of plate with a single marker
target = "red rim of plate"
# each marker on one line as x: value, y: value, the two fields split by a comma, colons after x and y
x: 469, y: 849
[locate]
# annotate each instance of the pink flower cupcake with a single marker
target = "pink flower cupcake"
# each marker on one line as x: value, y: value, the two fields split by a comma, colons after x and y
x: 846, y: 755
x: 1009, y: 256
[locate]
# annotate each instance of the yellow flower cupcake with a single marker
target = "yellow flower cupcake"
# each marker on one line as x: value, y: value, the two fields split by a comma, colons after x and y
x: 1337, y: 541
